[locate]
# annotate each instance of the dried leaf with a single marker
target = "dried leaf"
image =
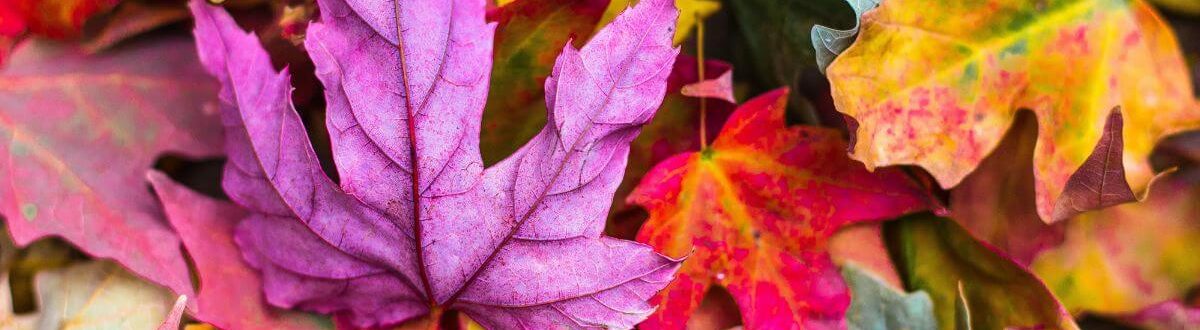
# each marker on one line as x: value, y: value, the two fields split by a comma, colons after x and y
x: 81, y: 131
x: 9, y: 320
x: 753, y: 214
x: 99, y: 295
x: 418, y: 225
x: 937, y: 83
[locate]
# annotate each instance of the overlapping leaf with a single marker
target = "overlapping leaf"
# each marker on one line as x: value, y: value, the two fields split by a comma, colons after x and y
x: 971, y: 284
x: 1168, y: 315
x: 80, y: 132
x: 92, y: 295
x: 529, y: 35
x: 418, y: 225
x: 775, y: 42
x: 863, y: 246
x: 877, y: 306
x: 996, y: 202
x: 1123, y: 259
x: 829, y: 42
x: 691, y: 13
x: 230, y: 295
x: 753, y: 213
x: 936, y: 83
x: 1114, y: 261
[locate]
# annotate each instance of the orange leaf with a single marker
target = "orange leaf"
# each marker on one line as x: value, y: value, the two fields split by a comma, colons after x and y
x: 753, y: 214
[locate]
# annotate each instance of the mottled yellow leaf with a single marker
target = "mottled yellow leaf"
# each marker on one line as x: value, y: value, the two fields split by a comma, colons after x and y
x: 1125, y: 258
x: 936, y: 83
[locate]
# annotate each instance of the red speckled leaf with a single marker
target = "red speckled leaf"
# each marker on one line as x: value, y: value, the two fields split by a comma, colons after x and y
x: 79, y: 133
x: 230, y: 295
x: 936, y: 83
x: 754, y: 212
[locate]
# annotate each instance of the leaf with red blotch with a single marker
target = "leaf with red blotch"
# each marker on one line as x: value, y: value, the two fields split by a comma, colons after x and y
x: 53, y: 19
x: 81, y: 131
x: 753, y: 213
x: 672, y: 131
x: 230, y: 294
x: 937, y: 83
x: 418, y: 225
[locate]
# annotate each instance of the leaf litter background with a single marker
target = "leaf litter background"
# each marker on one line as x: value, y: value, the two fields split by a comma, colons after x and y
x: 996, y: 260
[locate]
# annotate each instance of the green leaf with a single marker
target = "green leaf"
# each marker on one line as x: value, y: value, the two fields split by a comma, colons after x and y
x: 775, y: 45
x: 829, y: 42
x: 962, y: 274
x: 877, y: 306
x: 529, y: 36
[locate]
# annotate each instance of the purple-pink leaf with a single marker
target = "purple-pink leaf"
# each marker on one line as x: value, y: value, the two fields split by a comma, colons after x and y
x: 1169, y: 314
x: 418, y: 225
x: 230, y: 295
x: 79, y: 131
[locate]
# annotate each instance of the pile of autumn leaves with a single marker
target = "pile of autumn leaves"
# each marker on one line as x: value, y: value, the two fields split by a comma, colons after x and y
x: 478, y: 149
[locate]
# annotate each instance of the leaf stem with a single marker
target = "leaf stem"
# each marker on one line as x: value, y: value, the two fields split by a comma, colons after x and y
x: 700, y: 73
